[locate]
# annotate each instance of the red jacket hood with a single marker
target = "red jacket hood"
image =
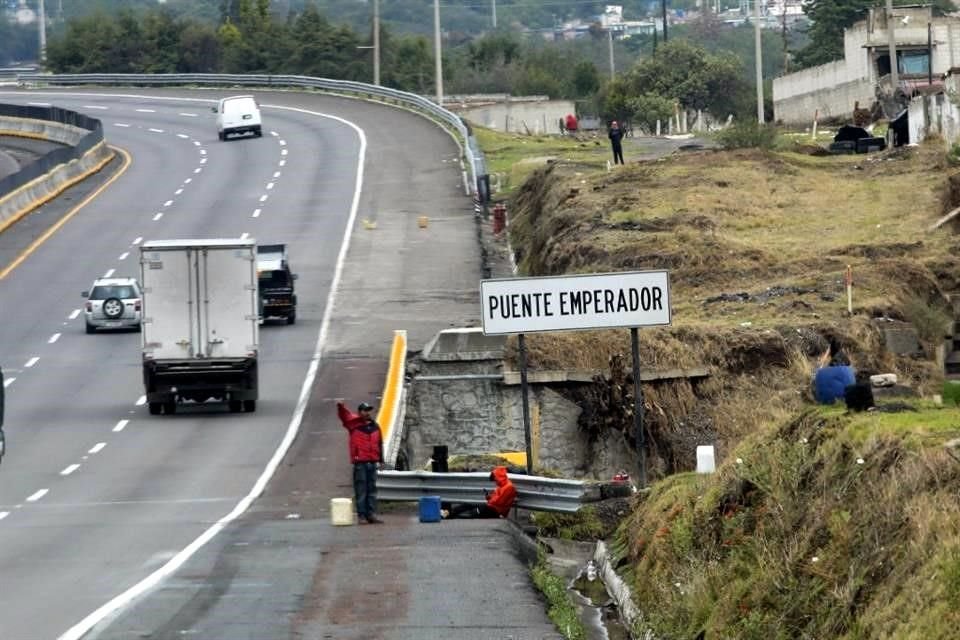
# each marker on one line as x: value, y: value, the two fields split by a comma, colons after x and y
x: 500, y: 476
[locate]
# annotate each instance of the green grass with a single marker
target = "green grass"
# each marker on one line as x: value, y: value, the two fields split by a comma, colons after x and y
x: 560, y: 608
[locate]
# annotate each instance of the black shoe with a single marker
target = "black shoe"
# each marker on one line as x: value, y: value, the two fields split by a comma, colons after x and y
x: 374, y: 520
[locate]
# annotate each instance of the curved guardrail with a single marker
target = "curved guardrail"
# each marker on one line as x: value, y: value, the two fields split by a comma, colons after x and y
x: 474, y: 156
x: 533, y: 492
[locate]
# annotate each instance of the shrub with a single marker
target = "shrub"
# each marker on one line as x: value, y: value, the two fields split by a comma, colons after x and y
x: 748, y: 135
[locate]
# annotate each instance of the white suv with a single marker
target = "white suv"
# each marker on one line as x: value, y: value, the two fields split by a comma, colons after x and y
x: 112, y: 303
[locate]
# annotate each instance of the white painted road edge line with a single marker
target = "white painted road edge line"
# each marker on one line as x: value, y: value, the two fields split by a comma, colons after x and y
x: 70, y: 469
x: 77, y: 631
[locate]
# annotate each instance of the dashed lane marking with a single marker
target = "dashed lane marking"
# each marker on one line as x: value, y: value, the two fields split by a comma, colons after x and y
x: 97, y: 448
x: 39, y: 494
x: 109, y: 273
x: 70, y: 469
x: 124, y: 255
x: 8, y: 382
x: 32, y: 361
x: 120, y: 426
x: 53, y: 338
x: 73, y: 314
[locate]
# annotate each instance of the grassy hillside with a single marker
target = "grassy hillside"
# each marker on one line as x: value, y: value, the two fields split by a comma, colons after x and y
x: 819, y: 523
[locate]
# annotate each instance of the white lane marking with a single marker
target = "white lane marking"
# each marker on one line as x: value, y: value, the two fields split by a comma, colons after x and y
x: 142, y: 400
x: 283, y: 163
x: 7, y: 382
x: 203, y: 152
x: 188, y: 181
x: 203, y: 161
x: 138, y: 240
x: 4, y: 514
x: 124, y: 255
x: 97, y: 448
x: 152, y: 130
x: 109, y: 273
x: 32, y: 361
x: 198, y: 170
x: 157, y: 217
x: 276, y: 174
x: 95, y: 106
x: 67, y: 471
x: 53, y: 338
x: 283, y: 143
x: 39, y: 104
x: 269, y: 186
x: 73, y: 314
x: 120, y: 426
x: 264, y: 197
x: 183, y: 135
x: 39, y: 494
x: 256, y: 213
x: 120, y: 124
x: 243, y: 236
x: 283, y: 152
x: 274, y: 134
x: 196, y: 143
x: 146, y: 111
x: 168, y: 203
x: 178, y: 192
x: 188, y: 115
x: 77, y: 631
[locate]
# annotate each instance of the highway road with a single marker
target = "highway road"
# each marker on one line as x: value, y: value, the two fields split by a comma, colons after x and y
x: 96, y: 495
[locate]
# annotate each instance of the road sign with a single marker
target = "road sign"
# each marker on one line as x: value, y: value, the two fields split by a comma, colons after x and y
x: 565, y: 303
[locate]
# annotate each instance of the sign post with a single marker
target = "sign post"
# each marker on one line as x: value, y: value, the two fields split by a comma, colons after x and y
x: 516, y: 306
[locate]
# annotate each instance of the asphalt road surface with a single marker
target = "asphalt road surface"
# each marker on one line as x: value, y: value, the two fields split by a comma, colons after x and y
x: 126, y: 525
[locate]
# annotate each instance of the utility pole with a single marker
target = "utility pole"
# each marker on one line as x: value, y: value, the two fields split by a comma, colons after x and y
x: 894, y: 71
x: 663, y: 13
x: 759, y: 42
x: 494, y: 13
x: 610, y: 46
x: 42, y: 19
x: 437, y: 51
x: 786, y: 53
x: 376, y: 42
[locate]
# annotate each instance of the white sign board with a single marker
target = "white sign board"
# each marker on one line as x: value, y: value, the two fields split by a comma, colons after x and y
x: 564, y: 303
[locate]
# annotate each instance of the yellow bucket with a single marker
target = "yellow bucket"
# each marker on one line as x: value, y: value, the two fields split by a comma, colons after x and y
x: 341, y: 511
x: 423, y: 222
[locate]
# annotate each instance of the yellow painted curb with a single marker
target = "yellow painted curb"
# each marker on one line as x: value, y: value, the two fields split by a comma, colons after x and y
x: 23, y: 134
x: 392, y: 387
x: 127, y: 160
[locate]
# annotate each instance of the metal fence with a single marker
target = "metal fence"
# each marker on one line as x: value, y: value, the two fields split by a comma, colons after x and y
x: 474, y: 156
x: 57, y: 157
x: 533, y: 492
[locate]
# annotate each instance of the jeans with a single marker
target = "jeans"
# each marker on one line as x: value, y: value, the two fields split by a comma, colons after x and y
x: 365, y: 488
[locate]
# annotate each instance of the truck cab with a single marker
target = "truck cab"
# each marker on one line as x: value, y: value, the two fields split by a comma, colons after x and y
x: 276, y: 283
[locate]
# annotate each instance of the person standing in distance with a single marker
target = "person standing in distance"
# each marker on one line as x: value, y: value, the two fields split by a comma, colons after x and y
x: 366, y: 454
x: 616, y: 136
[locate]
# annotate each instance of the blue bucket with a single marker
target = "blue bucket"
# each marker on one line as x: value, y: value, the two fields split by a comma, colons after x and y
x: 430, y: 509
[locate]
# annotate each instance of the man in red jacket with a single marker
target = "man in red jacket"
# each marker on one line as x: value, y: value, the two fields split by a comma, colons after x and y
x: 366, y: 454
x: 499, y: 501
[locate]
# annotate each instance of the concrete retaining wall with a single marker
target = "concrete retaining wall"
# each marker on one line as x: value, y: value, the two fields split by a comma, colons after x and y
x: 836, y: 102
x: 516, y: 116
x: 935, y: 115
x: 42, y: 129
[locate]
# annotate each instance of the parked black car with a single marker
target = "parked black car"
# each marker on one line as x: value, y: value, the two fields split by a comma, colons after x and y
x: 275, y: 282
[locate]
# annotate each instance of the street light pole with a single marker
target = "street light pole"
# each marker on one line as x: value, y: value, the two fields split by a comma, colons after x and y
x: 437, y: 51
x: 376, y: 42
x: 892, y: 42
x: 42, y: 19
x: 610, y: 45
x: 759, y: 47
x: 494, y: 14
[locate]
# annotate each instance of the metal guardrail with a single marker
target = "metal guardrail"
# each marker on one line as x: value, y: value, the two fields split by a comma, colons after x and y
x: 533, y: 492
x: 469, y: 145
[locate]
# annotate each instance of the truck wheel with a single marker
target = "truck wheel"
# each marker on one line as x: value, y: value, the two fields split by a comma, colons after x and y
x: 155, y: 408
x: 249, y: 406
x: 170, y: 407
x: 292, y: 318
x: 235, y: 406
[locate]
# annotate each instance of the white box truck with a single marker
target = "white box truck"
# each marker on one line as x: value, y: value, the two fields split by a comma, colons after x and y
x: 200, y: 323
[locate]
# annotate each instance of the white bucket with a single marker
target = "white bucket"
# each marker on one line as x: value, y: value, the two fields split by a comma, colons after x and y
x: 705, y: 459
x: 341, y: 511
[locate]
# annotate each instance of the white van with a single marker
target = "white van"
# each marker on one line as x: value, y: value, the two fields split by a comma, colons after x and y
x: 237, y: 114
